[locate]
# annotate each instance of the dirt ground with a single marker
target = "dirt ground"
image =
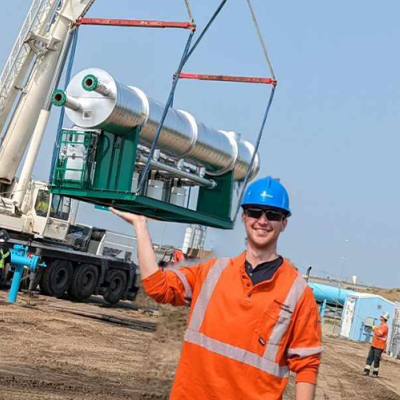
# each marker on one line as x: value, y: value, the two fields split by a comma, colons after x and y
x: 57, y: 349
x: 390, y: 294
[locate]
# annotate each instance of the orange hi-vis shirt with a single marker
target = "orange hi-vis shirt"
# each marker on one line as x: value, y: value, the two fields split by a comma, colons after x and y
x: 380, y: 336
x: 241, y: 340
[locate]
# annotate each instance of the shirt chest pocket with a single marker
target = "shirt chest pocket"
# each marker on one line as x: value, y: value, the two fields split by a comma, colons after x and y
x: 272, y: 328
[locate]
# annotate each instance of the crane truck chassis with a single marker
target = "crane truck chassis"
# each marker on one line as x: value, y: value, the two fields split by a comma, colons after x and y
x: 73, y: 268
x: 81, y: 260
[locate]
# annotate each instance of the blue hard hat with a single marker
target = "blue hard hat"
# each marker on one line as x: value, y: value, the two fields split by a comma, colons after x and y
x: 267, y: 192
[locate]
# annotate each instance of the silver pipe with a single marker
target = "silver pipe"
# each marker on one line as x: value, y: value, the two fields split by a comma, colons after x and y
x: 182, y: 136
x: 60, y: 98
x: 179, y: 173
x: 90, y: 83
x: 180, y: 163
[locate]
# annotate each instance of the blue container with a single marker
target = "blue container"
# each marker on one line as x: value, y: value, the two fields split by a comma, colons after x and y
x: 360, y: 311
x: 333, y: 295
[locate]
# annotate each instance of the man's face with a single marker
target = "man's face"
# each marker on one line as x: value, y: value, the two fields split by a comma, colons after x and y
x: 382, y: 320
x: 263, y: 231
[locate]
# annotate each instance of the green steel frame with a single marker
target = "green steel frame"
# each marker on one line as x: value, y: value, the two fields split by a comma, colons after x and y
x: 105, y: 179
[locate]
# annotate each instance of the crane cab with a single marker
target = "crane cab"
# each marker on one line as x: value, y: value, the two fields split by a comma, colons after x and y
x: 52, y: 214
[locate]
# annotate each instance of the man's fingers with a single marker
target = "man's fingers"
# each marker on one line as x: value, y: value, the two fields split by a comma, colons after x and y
x: 117, y: 212
x: 120, y: 214
x: 126, y: 216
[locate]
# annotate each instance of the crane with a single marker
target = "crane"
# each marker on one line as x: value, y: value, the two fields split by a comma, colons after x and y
x: 81, y: 260
x: 22, y: 54
x: 33, y: 59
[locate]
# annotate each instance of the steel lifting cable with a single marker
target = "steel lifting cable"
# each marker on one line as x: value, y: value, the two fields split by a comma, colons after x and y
x: 189, y: 11
x: 190, y: 15
x: 260, y: 133
x: 62, y: 113
x: 89, y: 5
x: 212, y: 19
x: 261, y: 39
x: 217, y: 11
x: 185, y: 57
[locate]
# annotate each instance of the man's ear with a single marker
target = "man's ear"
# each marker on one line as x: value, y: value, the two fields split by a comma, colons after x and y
x: 284, y: 224
x: 243, y: 216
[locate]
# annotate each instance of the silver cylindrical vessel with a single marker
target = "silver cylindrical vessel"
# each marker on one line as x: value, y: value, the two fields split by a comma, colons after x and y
x: 107, y: 104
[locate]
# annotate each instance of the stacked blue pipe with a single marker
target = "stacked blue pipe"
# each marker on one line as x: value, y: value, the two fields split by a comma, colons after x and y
x: 333, y: 295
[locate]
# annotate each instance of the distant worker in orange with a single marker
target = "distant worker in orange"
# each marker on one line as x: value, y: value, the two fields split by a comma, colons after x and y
x: 252, y: 317
x: 378, y: 345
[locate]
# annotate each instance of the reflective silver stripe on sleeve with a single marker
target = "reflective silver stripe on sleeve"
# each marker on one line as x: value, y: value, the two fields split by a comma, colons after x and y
x: 236, y: 353
x: 281, y: 326
x: 305, y: 351
x: 185, y: 283
x: 206, y: 292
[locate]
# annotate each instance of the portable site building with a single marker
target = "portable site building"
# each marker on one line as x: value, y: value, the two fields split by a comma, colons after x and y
x: 360, y: 312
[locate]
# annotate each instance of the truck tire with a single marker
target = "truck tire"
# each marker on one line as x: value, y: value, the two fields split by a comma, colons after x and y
x: 84, y: 282
x: 56, y: 278
x: 117, y: 285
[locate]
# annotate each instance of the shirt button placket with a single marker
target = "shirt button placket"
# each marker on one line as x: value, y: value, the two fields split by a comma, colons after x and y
x: 248, y: 288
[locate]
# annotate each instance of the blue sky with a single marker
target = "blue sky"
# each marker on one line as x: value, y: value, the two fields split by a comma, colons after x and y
x: 332, y: 136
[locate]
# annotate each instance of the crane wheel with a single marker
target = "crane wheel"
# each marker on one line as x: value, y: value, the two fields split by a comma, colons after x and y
x: 117, y: 285
x: 84, y: 282
x: 56, y: 278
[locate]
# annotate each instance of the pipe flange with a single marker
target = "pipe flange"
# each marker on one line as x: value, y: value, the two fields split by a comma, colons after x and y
x: 90, y: 82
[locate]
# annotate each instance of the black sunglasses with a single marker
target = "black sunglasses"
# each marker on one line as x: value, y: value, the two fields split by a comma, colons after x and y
x: 271, y: 215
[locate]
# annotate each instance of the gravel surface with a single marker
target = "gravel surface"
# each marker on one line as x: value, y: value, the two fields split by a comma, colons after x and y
x: 58, y: 349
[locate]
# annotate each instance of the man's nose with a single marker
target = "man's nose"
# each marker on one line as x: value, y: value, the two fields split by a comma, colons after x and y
x: 263, y: 219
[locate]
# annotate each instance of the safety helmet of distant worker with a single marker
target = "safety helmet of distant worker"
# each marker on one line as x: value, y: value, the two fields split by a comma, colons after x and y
x: 4, y: 236
x: 385, y: 316
x: 267, y: 192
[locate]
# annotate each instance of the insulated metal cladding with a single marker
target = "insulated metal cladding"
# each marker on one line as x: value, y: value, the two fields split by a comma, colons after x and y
x: 95, y: 100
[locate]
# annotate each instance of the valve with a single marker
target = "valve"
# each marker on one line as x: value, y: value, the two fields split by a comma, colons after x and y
x: 20, y: 259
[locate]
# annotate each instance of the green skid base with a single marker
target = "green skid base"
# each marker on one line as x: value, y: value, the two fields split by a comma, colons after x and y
x: 105, y: 178
x: 147, y: 206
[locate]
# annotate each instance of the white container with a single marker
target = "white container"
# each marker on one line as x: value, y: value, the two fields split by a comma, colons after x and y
x: 155, y: 189
x: 178, y: 196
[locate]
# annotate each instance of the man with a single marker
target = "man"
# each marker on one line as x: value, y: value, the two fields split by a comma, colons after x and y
x: 4, y: 254
x: 252, y: 318
x: 42, y: 204
x: 377, y: 346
